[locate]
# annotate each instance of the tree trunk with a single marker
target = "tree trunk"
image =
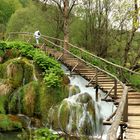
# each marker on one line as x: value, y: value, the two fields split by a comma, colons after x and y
x: 134, y: 28
x: 66, y: 28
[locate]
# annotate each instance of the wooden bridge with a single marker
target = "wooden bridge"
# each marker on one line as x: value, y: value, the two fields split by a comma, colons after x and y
x: 127, y: 100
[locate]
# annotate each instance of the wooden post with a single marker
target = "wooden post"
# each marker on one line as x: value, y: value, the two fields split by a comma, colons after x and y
x: 96, y: 78
x: 96, y: 92
x: 115, y: 88
x: 125, y: 112
x: 121, y: 132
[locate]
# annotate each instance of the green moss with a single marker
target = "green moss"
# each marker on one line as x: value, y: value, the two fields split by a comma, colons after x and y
x: 1, y: 71
x: 28, y: 70
x: 24, y: 100
x: 8, y: 124
x: 2, y: 104
x: 29, y: 99
x: 44, y: 104
x: 15, y: 105
x: 64, y: 115
x: 15, y: 73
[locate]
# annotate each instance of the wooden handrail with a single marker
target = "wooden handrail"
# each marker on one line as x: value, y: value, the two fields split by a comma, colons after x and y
x: 114, y: 127
x: 120, y: 110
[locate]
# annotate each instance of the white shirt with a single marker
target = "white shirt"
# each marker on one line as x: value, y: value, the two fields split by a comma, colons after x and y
x: 37, y: 34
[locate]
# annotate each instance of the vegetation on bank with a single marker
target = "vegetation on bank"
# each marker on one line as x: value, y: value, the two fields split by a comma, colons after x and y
x: 30, y: 83
x: 121, y: 73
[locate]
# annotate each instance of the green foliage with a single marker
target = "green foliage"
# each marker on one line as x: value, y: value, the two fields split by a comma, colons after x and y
x: 45, y: 134
x: 135, y: 80
x: 2, y: 104
x: 53, y: 76
x: 24, y: 2
x: 1, y: 53
x: 6, y: 124
x: 52, y: 80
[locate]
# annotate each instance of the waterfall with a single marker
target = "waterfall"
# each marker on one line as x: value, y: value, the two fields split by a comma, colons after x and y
x: 26, y: 120
x: 80, y: 114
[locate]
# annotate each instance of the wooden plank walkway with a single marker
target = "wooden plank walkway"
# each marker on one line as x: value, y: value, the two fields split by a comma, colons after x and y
x: 106, y: 83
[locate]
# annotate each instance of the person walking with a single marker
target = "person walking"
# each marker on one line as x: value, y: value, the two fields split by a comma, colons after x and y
x: 37, y: 36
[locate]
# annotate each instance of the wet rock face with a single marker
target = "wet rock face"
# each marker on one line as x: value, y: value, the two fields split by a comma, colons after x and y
x: 74, y: 90
x: 14, y: 72
x: 5, y: 88
x: 84, y: 98
x: 66, y: 80
x: 17, y: 71
x: 76, y: 115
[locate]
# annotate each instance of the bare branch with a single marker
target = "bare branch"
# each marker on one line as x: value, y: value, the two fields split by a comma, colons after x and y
x: 73, y: 4
x: 59, y: 5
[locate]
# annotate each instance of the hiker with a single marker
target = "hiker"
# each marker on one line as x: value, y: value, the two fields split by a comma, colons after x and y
x: 37, y: 36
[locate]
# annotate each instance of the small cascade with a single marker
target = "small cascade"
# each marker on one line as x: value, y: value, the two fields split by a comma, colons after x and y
x: 86, y: 122
x: 80, y: 114
x: 76, y: 115
x: 23, y: 81
x: 34, y: 74
x: 25, y: 120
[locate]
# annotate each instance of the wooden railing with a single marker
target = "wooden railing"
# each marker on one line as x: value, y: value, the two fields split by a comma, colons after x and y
x: 122, y: 110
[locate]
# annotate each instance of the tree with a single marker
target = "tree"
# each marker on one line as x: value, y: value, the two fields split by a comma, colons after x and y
x: 134, y: 29
x: 65, y: 7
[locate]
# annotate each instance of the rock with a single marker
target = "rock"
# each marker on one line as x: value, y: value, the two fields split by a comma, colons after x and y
x: 66, y: 80
x: 84, y: 98
x: 25, y: 100
x: 77, y: 114
x: 5, y: 88
x: 35, y: 122
x: 73, y: 90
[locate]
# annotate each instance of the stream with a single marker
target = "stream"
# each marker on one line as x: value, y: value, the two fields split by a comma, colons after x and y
x: 103, y: 109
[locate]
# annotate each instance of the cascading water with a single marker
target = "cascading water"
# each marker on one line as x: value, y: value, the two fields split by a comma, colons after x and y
x: 79, y: 114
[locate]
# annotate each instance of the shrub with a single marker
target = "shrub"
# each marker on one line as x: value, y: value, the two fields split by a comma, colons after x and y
x: 45, y: 134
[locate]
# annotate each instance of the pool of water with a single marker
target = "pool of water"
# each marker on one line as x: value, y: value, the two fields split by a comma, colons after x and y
x: 10, y: 136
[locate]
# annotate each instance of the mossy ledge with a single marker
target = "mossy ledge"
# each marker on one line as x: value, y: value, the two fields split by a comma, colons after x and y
x: 30, y: 83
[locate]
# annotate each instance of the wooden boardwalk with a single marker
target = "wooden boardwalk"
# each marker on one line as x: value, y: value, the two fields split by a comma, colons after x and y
x: 106, y: 83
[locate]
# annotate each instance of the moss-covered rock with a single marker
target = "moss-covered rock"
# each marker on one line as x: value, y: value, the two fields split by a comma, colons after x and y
x: 52, y: 118
x: 65, y: 79
x: 24, y: 100
x: 84, y: 98
x: 74, y: 90
x: 18, y: 71
x: 5, y: 87
x: 75, y: 114
x: 9, y: 123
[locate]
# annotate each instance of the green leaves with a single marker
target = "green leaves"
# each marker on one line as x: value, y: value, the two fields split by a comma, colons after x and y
x: 45, y: 134
x: 52, y: 80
